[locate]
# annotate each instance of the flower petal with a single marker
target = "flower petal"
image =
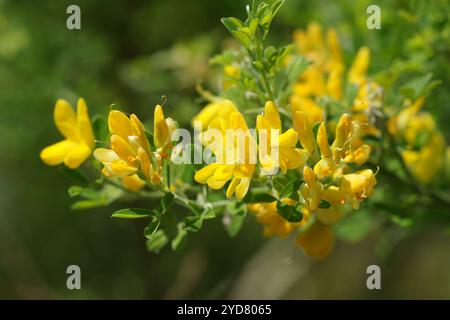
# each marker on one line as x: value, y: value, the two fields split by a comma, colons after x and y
x: 105, y: 155
x: 84, y: 124
x: 119, y: 124
x: 55, y: 154
x: 77, y: 155
x: 66, y: 120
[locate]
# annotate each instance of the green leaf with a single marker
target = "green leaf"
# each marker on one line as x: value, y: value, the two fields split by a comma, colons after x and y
x: 232, y: 24
x: 87, y: 193
x: 263, y: 197
x: 179, y: 242
x: 166, y: 202
x: 233, y: 224
x: 233, y: 221
x: 157, y: 241
x: 133, y: 213
x: 88, y: 204
x: 193, y: 223
x: 100, y: 128
x: 290, y: 189
x: 151, y: 228
x: 276, y: 6
x: 290, y: 213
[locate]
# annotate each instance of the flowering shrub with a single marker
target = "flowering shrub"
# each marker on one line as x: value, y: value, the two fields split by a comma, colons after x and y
x: 295, y: 137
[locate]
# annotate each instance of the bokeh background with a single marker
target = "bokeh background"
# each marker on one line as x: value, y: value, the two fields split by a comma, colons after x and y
x: 131, y: 53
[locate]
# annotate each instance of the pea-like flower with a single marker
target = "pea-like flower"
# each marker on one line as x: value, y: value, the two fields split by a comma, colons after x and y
x: 288, y: 156
x: 234, y: 147
x: 77, y: 130
x: 130, y: 152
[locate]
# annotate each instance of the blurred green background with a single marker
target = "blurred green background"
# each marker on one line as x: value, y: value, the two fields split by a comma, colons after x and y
x: 131, y: 53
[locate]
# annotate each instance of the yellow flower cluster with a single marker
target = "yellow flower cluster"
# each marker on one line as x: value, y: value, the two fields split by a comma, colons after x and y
x: 425, y: 150
x: 130, y: 156
x: 329, y: 184
x: 325, y: 77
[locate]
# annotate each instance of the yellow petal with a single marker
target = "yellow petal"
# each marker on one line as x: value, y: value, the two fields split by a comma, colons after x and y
x: 84, y: 124
x: 66, y: 120
x: 304, y: 131
x: 232, y: 187
x: 242, y: 188
x: 343, y: 130
x: 139, y: 131
x: 77, y: 155
x: 358, y: 70
x: 122, y: 148
x: 293, y: 158
x: 105, y: 155
x: 119, y: 169
x: 55, y: 154
x: 133, y: 183
x: 119, y: 124
x: 317, y: 241
x: 324, y: 168
x: 288, y: 139
x: 160, y: 129
x: 322, y: 141
x: 359, y: 156
x: 272, y: 115
x: 202, y: 175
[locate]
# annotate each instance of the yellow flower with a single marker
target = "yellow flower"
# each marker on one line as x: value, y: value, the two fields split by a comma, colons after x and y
x: 311, y: 190
x: 290, y: 157
x: 310, y: 109
x: 130, y: 152
x: 303, y: 127
x: 274, y: 224
x: 324, y: 75
x: 162, y: 130
x: 425, y: 153
x: 336, y: 200
x: 357, y: 186
x: 240, y: 168
x: 202, y: 120
x: 358, y: 70
x: 77, y: 130
x: 317, y: 240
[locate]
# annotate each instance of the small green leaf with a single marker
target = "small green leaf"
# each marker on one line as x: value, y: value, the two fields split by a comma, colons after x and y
x: 157, y: 241
x: 151, y: 228
x: 290, y: 213
x: 179, y: 242
x: 262, y: 197
x: 290, y: 190
x: 100, y: 128
x: 133, y: 213
x: 233, y: 223
x: 88, y: 204
x: 232, y: 24
x: 166, y: 202
x: 193, y: 223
